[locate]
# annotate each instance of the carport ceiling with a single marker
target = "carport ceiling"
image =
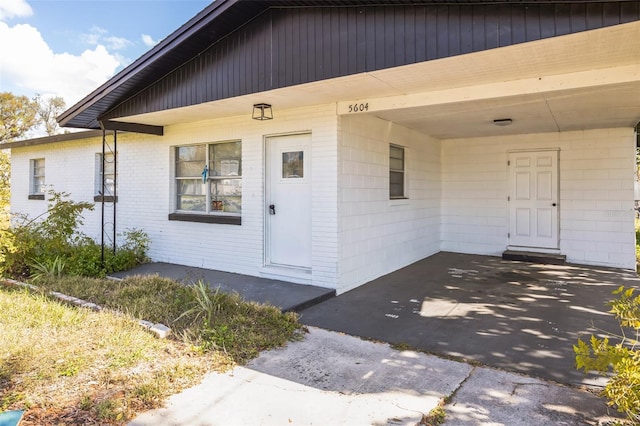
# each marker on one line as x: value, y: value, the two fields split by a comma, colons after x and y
x: 598, y: 101
x: 609, y: 107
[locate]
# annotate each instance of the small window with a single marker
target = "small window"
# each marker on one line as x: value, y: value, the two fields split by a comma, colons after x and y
x: 396, y: 172
x: 293, y: 165
x: 37, y: 176
x: 209, y: 178
x: 108, y: 192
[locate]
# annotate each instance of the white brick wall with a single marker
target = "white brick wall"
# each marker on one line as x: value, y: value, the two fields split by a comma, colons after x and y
x: 145, y: 189
x: 596, y: 194
x: 456, y: 194
x: 378, y: 235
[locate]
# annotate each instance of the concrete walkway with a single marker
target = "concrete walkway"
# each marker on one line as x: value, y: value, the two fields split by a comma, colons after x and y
x: 333, y: 379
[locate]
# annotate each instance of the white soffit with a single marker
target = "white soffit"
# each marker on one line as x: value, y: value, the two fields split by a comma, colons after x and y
x: 578, y: 81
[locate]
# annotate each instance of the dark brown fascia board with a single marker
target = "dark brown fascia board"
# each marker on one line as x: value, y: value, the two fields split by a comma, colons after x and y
x: 65, y: 137
x: 208, y: 14
x: 132, y: 127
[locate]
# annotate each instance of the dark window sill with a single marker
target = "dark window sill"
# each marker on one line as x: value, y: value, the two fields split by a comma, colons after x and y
x: 206, y: 218
x: 36, y: 196
x: 106, y: 199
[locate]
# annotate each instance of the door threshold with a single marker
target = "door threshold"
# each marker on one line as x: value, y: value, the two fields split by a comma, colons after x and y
x: 287, y: 273
x: 534, y: 257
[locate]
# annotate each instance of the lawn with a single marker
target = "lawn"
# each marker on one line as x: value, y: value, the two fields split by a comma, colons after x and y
x: 68, y: 365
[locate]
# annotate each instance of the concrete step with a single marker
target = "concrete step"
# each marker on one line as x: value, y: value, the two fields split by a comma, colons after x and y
x: 533, y: 257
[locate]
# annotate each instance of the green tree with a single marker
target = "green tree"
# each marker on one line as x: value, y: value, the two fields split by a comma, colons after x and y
x: 47, y: 111
x: 18, y: 115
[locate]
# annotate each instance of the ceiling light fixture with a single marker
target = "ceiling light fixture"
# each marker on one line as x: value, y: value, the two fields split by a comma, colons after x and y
x: 262, y: 112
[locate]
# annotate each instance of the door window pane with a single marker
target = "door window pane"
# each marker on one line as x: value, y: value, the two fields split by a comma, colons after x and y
x: 293, y: 165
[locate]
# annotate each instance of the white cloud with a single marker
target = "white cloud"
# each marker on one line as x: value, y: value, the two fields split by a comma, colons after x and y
x: 32, y: 66
x: 14, y: 8
x: 99, y: 36
x: 117, y: 43
x: 148, y: 40
x: 93, y: 38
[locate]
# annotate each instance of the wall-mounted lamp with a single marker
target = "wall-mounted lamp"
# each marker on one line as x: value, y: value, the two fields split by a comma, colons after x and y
x: 502, y: 121
x: 262, y: 112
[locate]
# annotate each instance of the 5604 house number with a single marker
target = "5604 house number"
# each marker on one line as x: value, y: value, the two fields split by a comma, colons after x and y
x: 359, y: 107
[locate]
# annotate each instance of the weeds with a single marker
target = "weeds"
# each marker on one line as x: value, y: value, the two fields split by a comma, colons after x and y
x: 49, y: 268
x: 435, y: 417
x: 205, y: 304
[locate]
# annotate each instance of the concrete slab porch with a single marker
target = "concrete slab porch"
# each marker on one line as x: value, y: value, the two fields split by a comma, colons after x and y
x: 284, y: 295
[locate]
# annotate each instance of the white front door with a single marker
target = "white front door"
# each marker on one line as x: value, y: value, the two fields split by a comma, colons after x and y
x: 533, y: 199
x: 288, y: 201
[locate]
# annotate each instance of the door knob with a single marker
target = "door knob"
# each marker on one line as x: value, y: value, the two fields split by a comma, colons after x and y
x: 272, y: 209
x: 554, y: 204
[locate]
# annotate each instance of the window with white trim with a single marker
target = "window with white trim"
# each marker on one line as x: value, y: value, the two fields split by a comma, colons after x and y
x: 37, y: 176
x: 209, y: 178
x: 109, y: 176
x: 396, y: 172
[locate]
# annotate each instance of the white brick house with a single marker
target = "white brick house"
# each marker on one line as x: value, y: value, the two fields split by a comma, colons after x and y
x: 362, y: 173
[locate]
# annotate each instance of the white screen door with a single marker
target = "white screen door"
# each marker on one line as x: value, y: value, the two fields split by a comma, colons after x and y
x: 533, y: 199
x: 288, y: 201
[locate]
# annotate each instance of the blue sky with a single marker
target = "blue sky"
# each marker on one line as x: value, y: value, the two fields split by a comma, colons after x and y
x: 69, y: 47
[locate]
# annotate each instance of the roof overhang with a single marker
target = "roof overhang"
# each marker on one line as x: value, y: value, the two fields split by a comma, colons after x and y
x: 574, y: 82
x: 212, y: 24
x: 64, y: 137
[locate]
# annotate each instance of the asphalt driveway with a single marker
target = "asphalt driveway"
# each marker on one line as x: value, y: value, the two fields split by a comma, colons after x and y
x: 516, y: 316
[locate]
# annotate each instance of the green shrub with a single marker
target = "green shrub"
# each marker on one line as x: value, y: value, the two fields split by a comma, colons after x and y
x: 620, y: 361
x: 31, y: 246
x: 42, y: 239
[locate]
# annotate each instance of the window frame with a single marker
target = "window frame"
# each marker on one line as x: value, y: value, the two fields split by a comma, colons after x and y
x: 209, y: 214
x: 396, y: 171
x: 37, y: 193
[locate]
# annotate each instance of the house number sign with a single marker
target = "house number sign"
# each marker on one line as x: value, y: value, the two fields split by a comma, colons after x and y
x: 358, y: 107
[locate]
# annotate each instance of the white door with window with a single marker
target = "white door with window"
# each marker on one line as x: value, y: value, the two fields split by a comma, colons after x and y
x: 288, y: 201
x: 533, y: 199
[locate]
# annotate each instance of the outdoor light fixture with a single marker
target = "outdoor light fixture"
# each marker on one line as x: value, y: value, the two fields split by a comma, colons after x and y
x: 262, y: 112
x: 502, y: 121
